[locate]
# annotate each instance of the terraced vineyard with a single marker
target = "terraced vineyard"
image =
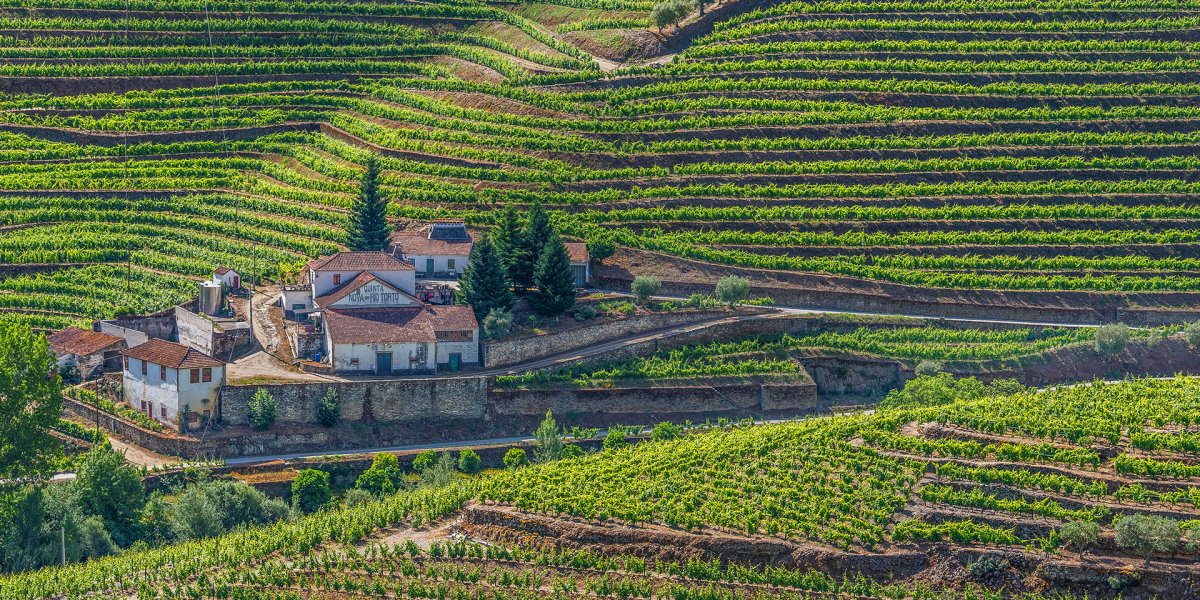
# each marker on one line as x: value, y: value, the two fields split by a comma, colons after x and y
x: 779, y: 355
x: 953, y: 144
x: 902, y: 502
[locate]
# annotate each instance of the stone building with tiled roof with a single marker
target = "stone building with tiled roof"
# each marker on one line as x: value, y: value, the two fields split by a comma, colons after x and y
x: 441, y: 251
x: 581, y: 263
x: 363, y: 304
x: 92, y: 353
x: 172, y: 383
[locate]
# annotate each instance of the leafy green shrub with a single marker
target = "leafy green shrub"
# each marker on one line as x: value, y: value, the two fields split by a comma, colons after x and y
x: 311, y: 491
x: 732, y: 289
x: 469, y: 461
x: 585, y: 312
x: 1192, y: 334
x: 928, y: 367
x: 615, y: 439
x: 262, y: 409
x: 1111, y: 339
x: 644, y: 287
x: 986, y: 566
x: 329, y: 409
x: 424, y: 460
x: 383, y: 476
x: 1145, y: 535
x: 515, y: 457
x: 497, y: 324
x: 572, y: 451
x: 356, y: 497
x: 665, y: 430
x: 585, y: 433
x: 212, y: 507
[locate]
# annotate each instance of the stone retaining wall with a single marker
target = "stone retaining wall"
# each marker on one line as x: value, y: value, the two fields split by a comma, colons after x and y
x: 392, y: 400
x: 160, y: 442
x: 600, y: 407
x: 517, y: 350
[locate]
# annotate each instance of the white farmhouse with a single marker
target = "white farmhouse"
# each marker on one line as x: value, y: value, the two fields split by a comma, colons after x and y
x: 442, y: 252
x: 325, y: 274
x: 165, y: 380
x: 372, y: 326
x: 372, y: 321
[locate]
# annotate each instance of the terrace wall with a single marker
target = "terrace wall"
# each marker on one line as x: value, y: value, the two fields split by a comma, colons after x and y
x: 513, y: 351
x: 411, y: 411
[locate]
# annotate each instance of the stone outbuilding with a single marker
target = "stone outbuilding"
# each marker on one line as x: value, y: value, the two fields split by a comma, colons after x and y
x: 581, y: 263
x: 172, y: 383
x: 92, y: 353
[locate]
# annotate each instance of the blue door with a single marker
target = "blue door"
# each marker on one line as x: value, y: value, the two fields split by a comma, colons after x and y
x: 429, y: 266
x: 383, y: 363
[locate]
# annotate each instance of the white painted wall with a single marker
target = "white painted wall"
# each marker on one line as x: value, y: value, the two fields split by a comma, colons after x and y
x: 201, y: 396
x: 172, y: 393
x: 229, y: 278
x: 343, y: 355
x: 468, y: 350
x: 441, y: 262
x: 375, y: 294
x: 322, y: 281
x: 292, y: 298
x: 194, y: 330
x: 152, y: 389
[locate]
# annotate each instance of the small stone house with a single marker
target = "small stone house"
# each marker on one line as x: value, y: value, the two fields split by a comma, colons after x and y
x: 173, y: 383
x: 442, y: 252
x: 92, y: 353
x: 581, y: 263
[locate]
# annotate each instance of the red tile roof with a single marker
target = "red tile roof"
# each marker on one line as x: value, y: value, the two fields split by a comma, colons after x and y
x: 396, y: 325
x: 417, y: 244
x: 170, y: 354
x: 360, y: 261
x: 81, y: 342
x: 348, y: 288
x: 577, y: 251
x: 454, y: 317
x: 222, y: 270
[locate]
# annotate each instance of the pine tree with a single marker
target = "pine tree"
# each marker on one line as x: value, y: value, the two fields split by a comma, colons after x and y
x: 509, y: 240
x: 368, y: 228
x: 554, y: 280
x: 483, y: 284
x: 533, y: 241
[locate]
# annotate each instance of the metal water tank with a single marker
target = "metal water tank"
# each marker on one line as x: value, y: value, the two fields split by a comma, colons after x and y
x: 210, y: 297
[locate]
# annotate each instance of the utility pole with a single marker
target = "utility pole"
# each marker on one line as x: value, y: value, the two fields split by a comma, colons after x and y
x: 62, y: 532
x: 253, y: 283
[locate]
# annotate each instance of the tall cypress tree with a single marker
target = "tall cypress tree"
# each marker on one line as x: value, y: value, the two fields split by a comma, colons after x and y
x: 483, y: 284
x: 533, y: 241
x: 368, y: 228
x: 509, y: 241
x: 554, y: 280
